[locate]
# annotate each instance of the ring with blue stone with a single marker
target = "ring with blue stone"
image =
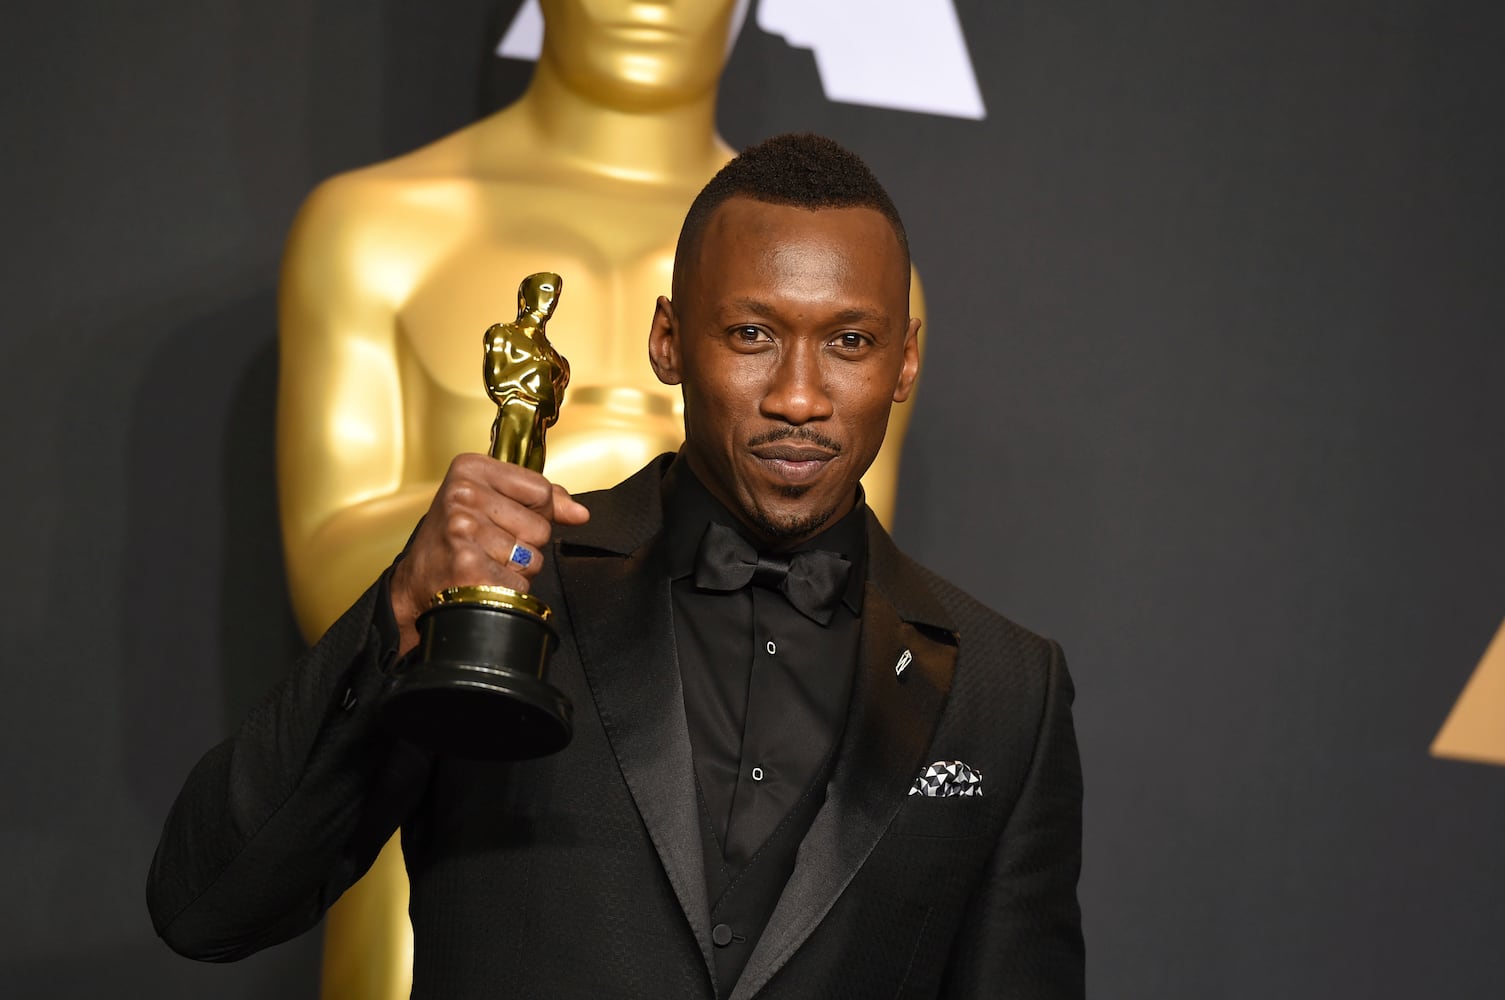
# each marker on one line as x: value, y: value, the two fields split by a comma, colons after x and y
x: 521, y: 555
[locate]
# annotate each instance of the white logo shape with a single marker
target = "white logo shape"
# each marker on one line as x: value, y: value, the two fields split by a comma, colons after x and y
x: 524, y: 37
x: 904, y: 661
x: 907, y: 55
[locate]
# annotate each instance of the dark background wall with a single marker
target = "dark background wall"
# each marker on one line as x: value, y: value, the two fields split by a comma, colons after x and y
x: 1214, y: 396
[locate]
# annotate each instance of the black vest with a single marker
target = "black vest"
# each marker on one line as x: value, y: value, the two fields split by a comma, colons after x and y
x: 743, y: 900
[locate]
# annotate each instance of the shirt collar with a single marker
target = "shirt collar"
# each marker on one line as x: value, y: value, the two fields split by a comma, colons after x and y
x: 689, y: 507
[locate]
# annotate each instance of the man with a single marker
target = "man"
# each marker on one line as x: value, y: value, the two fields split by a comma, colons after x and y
x: 803, y: 765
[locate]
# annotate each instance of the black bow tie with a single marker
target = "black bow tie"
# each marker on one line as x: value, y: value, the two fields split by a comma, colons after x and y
x: 812, y: 581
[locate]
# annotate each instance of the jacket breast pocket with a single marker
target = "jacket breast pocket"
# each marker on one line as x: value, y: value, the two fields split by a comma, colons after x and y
x: 954, y: 816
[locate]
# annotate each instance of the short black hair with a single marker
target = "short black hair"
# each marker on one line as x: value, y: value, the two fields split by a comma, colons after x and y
x: 800, y: 169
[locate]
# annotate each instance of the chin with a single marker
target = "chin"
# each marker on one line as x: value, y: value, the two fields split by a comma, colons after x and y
x: 794, y: 528
x: 785, y: 522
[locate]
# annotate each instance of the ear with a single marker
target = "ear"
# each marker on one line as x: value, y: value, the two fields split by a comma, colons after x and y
x: 663, y: 342
x: 910, y: 369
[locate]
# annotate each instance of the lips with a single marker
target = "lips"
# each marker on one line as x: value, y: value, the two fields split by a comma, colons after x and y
x: 793, y: 463
x: 793, y: 453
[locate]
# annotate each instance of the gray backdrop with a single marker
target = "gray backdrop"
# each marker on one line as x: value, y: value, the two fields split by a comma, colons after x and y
x: 1214, y: 397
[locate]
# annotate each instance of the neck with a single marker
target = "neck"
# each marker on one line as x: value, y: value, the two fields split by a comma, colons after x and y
x: 673, y: 145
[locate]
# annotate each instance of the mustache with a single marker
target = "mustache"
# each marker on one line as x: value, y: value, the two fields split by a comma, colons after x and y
x: 809, y: 434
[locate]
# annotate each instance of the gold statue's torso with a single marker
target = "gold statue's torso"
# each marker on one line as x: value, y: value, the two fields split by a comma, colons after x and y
x: 617, y: 256
x: 391, y: 272
x: 454, y: 247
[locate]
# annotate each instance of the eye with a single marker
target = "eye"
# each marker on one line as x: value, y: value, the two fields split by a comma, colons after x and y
x: 851, y: 340
x: 748, y: 336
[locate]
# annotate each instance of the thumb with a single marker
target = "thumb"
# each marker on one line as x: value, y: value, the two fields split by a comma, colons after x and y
x: 568, y: 510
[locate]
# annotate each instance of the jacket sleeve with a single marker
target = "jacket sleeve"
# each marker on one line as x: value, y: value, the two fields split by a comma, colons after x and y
x: 275, y: 822
x: 1021, y: 936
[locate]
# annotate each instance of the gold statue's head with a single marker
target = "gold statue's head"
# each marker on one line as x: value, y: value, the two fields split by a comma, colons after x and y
x: 538, y: 294
x: 636, y: 54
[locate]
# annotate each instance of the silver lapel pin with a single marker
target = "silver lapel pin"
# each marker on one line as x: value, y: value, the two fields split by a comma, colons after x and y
x: 905, y: 659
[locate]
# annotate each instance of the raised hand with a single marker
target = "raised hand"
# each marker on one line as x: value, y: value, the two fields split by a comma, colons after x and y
x: 488, y: 525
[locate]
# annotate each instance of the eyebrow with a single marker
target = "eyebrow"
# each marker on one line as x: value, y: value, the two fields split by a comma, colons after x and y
x: 763, y: 309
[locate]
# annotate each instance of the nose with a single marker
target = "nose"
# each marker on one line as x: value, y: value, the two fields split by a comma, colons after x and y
x: 796, y: 390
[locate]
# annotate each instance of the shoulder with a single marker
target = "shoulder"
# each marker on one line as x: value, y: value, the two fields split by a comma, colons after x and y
x: 980, y: 627
x: 381, y: 219
x: 1010, y: 692
x: 1000, y: 664
x: 364, y: 204
x: 922, y: 596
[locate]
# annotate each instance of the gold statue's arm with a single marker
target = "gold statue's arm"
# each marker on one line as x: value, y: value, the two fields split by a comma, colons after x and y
x: 881, y: 483
x: 346, y: 509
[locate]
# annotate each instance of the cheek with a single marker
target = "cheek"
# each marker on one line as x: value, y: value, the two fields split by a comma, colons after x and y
x: 730, y: 393
x: 716, y: 410
x: 865, y: 404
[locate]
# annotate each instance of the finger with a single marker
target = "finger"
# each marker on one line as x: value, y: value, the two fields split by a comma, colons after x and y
x: 520, y: 524
x: 476, y: 566
x: 525, y: 560
x: 484, y: 497
x: 568, y: 510
x: 533, y: 491
x: 513, y: 580
x: 526, y: 487
x: 484, y: 551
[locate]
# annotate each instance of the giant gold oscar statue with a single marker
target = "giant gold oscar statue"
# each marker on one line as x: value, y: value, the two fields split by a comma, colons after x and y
x: 390, y: 271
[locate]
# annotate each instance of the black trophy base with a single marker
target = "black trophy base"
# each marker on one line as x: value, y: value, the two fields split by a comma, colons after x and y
x: 453, y: 695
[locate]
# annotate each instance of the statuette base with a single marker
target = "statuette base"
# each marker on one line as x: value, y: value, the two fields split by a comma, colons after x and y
x: 455, y: 697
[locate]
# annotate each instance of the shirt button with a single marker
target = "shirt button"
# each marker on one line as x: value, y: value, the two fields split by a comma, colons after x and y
x: 757, y: 774
x: 772, y: 649
x: 721, y: 935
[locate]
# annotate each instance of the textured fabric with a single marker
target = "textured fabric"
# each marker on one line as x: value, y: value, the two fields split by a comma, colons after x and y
x: 583, y: 874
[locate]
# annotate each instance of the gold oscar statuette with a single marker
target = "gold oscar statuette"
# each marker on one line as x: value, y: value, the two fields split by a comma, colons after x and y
x: 474, y: 686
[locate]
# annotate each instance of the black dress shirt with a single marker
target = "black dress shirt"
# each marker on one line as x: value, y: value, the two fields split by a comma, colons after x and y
x: 766, y: 689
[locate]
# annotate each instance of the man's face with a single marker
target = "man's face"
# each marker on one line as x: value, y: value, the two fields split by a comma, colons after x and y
x: 791, y: 336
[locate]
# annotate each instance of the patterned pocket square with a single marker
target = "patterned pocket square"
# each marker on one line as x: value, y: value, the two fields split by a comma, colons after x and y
x: 946, y: 778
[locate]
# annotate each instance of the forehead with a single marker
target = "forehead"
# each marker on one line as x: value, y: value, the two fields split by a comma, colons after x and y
x: 752, y: 247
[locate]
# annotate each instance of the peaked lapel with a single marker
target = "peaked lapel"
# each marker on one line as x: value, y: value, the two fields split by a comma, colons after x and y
x: 613, y: 572
x: 889, y: 728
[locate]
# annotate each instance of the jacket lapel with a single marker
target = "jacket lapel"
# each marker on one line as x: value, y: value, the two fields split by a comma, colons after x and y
x: 889, y: 728
x: 616, y: 585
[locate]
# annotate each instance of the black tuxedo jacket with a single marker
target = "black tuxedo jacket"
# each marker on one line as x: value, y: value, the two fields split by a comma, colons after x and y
x: 581, y: 875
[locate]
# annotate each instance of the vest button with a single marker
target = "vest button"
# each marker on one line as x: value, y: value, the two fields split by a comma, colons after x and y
x: 721, y: 935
